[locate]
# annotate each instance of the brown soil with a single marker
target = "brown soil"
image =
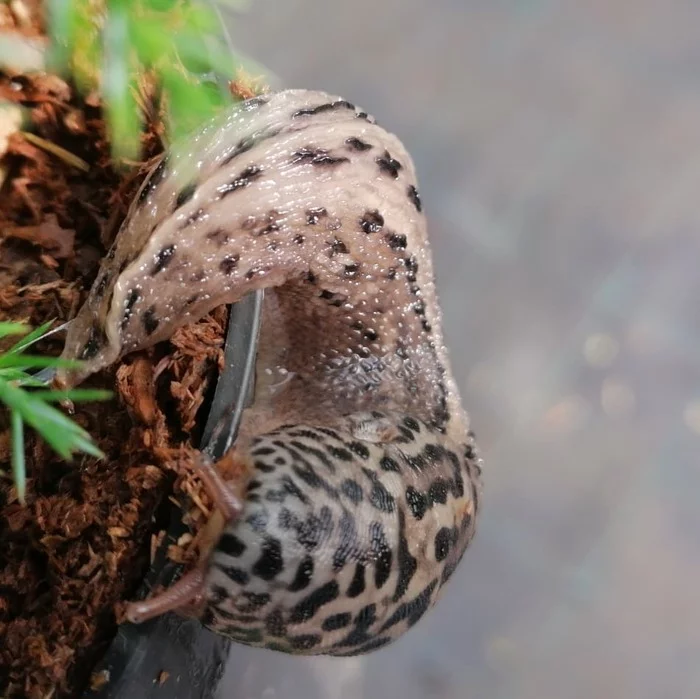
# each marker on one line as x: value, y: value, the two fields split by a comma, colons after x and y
x: 84, y: 539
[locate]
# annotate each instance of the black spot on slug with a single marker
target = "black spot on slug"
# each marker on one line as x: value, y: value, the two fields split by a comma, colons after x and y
x: 411, y: 611
x: 337, y: 621
x: 94, y: 342
x: 152, y: 181
x: 258, y: 521
x: 358, y: 449
x: 217, y: 594
x: 231, y: 545
x: 352, y: 490
x: 348, y: 545
x: 417, y: 502
x: 254, y: 103
x: 317, y: 156
x: 357, y: 586
x: 245, y: 178
x: 318, y: 453
x: 237, y: 575
x: 305, y: 642
x: 363, y: 620
x: 248, y: 143
x: 193, y: 218
x: 274, y: 623
x: 438, y: 491
x: 329, y: 107
x: 339, y: 453
x: 287, y: 519
x: 333, y: 299
x: 330, y: 432
x: 381, y: 554
x: 313, y: 216
x: 357, y: 144
x: 256, y: 271
x: 442, y: 414
x: 337, y: 247
x: 270, y: 564
x: 146, y: 189
x: 406, y: 435
x: 299, y: 239
x: 389, y: 165
x: 415, y: 198
x: 411, y: 265
x: 396, y: 241
x: 313, y: 530
x: 372, y: 222
x: 229, y: 263
x: 131, y: 299
x: 406, y: 562
x: 388, y: 464
x: 303, y: 576
x: 243, y: 146
x: 102, y: 285
x: 443, y: 541
x: 412, y: 424
x: 351, y: 271
x: 159, y: 172
x: 220, y: 236
x: 163, y: 259
x: 256, y: 599
x: 309, y: 606
x: 271, y: 225
x: 150, y: 320
x: 417, y: 462
x: 185, y: 194
x: 379, y: 496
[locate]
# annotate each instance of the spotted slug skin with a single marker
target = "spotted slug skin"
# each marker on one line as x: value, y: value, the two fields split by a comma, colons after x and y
x: 365, y: 479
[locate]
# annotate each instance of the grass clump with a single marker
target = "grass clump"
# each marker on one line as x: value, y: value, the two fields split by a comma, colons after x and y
x: 180, y: 48
x: 29, y: 402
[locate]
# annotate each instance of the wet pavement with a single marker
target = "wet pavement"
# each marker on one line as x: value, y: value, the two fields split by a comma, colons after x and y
x: 557, y: 144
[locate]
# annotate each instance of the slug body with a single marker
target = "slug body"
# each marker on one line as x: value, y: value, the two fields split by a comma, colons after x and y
x: 365, y: 479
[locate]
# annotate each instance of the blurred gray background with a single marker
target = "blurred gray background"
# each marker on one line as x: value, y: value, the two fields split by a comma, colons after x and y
x: 558, y: 149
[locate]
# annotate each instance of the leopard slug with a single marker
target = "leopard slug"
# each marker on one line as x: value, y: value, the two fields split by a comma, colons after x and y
x: 364, y: 477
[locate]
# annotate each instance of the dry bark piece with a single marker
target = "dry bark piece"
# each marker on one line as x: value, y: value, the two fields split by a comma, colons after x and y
x: 163, y: 677
x: 137, y: 388
x: 48, y: 235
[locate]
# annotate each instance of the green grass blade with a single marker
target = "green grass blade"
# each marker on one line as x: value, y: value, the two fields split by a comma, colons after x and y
x: 20, y: 376
x: 62, y: 434
x: 12, y: 329
x: 77, y: 395
x: 19, y: 472
x: 30, y: 338
x: 32, y: 361
x: 61, y: 20
x: 124, y: 117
